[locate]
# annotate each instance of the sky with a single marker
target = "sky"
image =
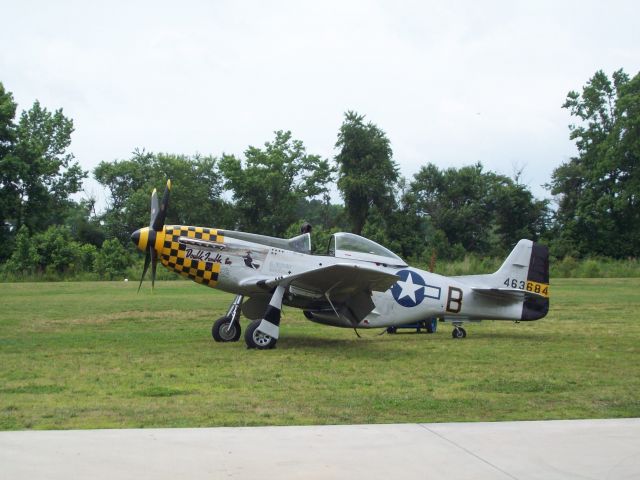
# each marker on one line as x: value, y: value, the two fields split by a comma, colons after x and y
x: 451, y: 83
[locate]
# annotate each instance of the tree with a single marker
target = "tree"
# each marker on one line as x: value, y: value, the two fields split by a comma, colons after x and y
x: 195, y: 192
x: 476, y: 211
x: 268, y: 185
x: 7, y: 139
x: 38, y: 174
x: 367, y: 173
x: 598, y: 191
x: 517, y: 214
x: 403, y: 229
x: 458, y: 202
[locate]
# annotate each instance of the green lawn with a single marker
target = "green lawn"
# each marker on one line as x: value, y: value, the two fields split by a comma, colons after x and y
x: 98, y: 355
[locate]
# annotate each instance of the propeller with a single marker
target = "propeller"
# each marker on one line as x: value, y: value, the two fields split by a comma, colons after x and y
x: 145, y: 238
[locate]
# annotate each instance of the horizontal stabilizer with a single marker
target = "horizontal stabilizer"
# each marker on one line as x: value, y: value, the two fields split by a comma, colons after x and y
x: 515, y: 292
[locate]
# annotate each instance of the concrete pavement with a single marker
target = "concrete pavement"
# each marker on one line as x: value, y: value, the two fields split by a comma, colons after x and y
x: 585, y: 449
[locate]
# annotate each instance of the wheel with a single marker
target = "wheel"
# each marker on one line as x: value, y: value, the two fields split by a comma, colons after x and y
x: 256, y: 339
x: 224, y: 331
x: 431, y: 326
x: 458, y: 332
x: 392, y: 329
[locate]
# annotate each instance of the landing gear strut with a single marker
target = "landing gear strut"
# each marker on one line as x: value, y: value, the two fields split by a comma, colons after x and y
x: 458, y: 332
x: 263, y: 334
x: 227, y: 328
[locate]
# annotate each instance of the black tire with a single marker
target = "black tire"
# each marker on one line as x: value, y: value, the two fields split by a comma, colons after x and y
x: 222, y: 333
x: 458, y: 332
x: 392, y: 329
x: 255, y: 339
x: 464, y: 332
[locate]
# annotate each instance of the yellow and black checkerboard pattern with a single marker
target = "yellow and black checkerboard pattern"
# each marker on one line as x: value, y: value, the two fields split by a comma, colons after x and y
x: 173, y: 254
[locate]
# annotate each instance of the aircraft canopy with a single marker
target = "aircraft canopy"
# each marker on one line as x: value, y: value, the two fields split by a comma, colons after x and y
x: 351, y: 246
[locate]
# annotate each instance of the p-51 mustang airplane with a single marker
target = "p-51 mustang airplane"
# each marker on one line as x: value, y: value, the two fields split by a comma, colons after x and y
x: 356, y: 284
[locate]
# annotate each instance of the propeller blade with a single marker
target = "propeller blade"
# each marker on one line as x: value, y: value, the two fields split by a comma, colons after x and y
x: 147, y: 259
x: 155, y: 208
x: 158, y: 222
x: 154, y: 263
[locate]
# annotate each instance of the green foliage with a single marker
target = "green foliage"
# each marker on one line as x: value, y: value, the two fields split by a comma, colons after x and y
x: 367, y: 174
x: 321, y: 213
x: 8, y: 205
x: 56, y: 250
x: 112, y: 261
x: 40, y: 173
x: 269, y: 184
x: 595, y: 267
x: 50, y: 253
x: 25, y: 256
x: 598, y: 191
x: 84, y: 225
x: 473, y: 211
x: 37, y: 174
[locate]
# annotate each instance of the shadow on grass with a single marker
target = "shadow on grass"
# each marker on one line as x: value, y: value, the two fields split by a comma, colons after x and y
x: 301, y: 340
x: 512, y: 335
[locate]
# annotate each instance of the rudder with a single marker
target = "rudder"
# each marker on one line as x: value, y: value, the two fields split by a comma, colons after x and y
x: 536, y: 307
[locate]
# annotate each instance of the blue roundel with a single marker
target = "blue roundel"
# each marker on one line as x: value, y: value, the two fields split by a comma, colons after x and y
x: 409, y: 290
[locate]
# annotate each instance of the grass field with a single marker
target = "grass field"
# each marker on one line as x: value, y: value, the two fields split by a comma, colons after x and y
x: 97, y: 355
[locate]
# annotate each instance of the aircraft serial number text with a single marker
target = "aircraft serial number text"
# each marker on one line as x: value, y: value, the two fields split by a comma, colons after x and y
x: 534, y: 287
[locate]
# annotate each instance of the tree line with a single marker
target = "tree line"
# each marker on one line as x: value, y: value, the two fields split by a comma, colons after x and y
x: 272, y: 189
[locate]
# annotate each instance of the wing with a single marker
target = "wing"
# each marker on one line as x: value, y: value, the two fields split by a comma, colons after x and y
x: 346, y: 287
x: 338, y: 280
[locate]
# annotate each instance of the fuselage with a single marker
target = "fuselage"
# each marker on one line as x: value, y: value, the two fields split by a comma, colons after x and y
x: 238, y: 266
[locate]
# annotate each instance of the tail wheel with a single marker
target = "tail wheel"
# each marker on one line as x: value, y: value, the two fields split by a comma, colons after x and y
x: 224, y: 330
x: 256, y: 339
x: 459, y: 332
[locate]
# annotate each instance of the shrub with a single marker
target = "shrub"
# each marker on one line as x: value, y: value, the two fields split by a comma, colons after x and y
x: 112, y: 260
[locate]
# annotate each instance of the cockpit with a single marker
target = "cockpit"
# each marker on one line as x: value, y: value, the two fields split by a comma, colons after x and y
x: 354, y: 247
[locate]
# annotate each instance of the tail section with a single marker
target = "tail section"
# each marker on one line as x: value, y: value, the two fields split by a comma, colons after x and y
x: 525, y: 271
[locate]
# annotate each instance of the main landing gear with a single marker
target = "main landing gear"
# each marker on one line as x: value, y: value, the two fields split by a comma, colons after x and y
x: 227, y: 328
x: 254, y: 338
x: 263, y: 334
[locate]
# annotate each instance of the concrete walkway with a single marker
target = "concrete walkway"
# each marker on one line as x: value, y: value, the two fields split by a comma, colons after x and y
x: 585, y: 449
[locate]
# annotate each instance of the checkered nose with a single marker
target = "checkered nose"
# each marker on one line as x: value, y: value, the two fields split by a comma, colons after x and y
x: 140, y: 238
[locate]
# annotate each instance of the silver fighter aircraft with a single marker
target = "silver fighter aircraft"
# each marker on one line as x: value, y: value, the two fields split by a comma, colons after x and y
x: 357, y: 283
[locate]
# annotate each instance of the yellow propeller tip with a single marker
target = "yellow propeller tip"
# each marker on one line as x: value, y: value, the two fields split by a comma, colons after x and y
x: 169, y: 184
x: 154, y: 191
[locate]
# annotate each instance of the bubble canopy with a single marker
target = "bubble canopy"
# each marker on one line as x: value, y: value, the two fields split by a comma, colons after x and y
x: 352, y: 246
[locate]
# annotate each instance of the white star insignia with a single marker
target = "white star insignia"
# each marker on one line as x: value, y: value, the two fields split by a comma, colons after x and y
x: 409, y: 288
